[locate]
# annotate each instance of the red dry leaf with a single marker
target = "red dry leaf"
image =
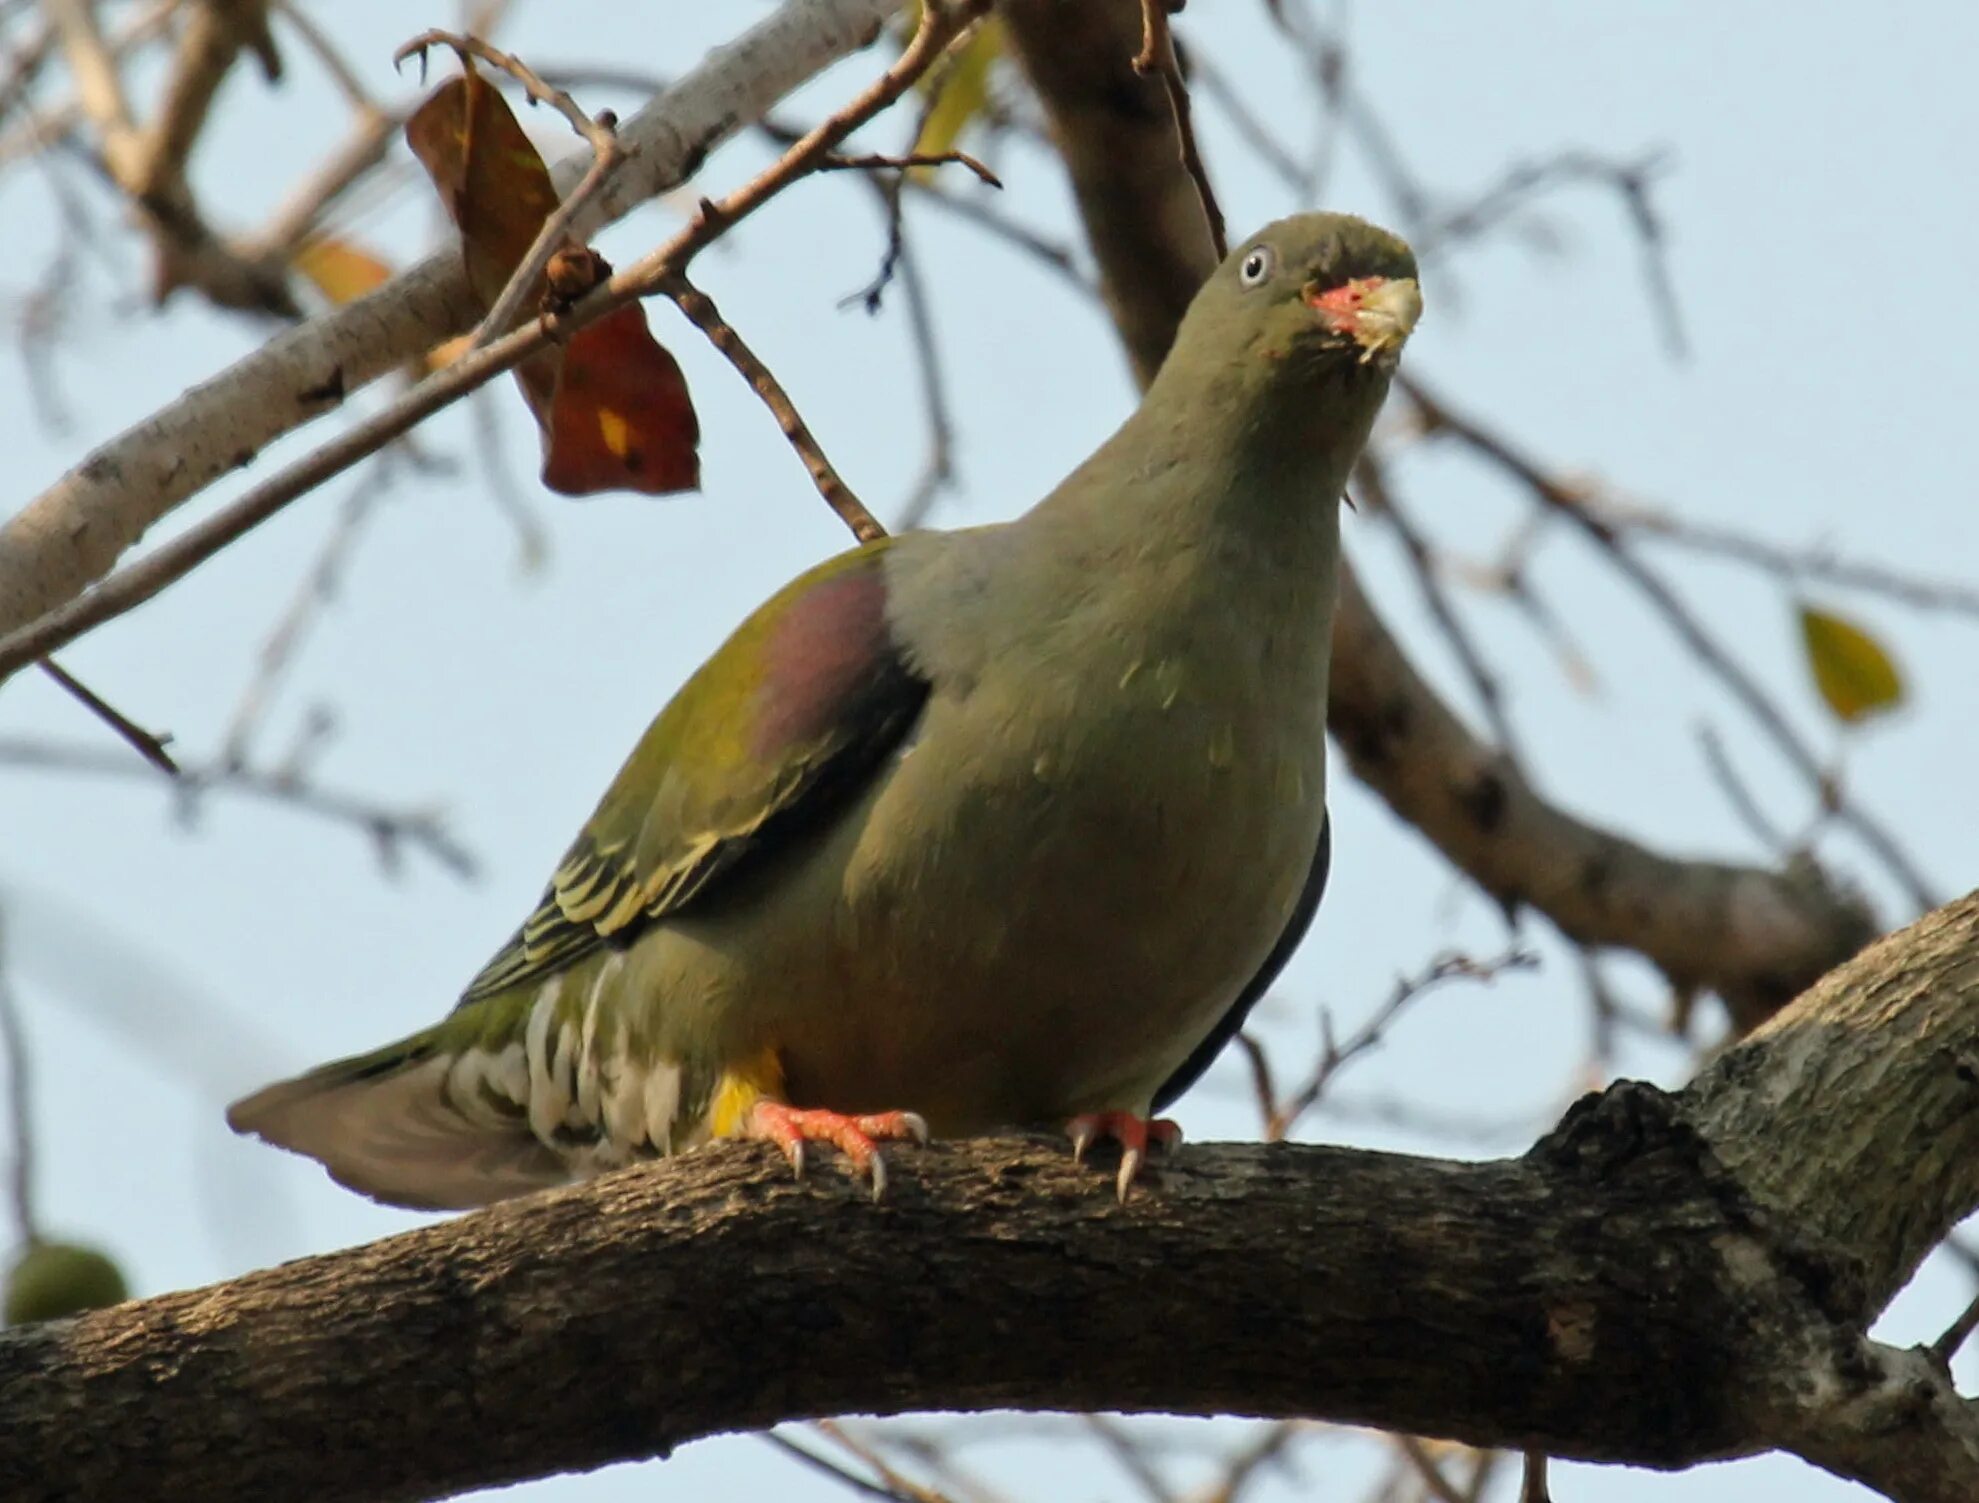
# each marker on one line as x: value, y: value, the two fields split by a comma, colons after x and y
x: 612, y: 405
x: 621, y: 417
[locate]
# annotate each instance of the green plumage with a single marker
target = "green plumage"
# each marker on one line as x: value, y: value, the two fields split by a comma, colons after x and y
x: 999, y: 826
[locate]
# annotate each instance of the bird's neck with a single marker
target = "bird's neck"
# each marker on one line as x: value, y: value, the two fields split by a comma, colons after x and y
x: 1215, y: 469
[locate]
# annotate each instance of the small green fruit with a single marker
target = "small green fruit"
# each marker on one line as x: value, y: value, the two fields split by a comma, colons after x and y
x: 53, y: 1279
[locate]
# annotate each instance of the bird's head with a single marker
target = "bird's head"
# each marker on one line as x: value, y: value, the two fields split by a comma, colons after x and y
x: 1305, y: 306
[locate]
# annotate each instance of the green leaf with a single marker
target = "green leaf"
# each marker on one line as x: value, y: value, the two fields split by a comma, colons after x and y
x: 964, y: 84
x: 1853, y: 671
x: 54, y: 1279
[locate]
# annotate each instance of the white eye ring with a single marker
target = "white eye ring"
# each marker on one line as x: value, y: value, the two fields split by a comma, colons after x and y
x: 1256, y: 266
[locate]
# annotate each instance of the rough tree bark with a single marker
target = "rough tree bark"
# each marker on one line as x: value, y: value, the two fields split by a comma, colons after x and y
x: 1755, y: 937
x: 1660, y: 1280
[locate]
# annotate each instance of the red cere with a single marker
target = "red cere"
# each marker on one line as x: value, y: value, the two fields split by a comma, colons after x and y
x: 1342, y: 304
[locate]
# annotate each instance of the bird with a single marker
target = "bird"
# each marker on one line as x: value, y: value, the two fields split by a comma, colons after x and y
x: 1001, y: 826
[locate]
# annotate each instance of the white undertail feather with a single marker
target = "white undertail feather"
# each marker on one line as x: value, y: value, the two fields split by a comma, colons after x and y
x: 565, y: 1100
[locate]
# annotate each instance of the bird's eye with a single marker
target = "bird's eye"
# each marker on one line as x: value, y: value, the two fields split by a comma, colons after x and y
x: 1256, y: 266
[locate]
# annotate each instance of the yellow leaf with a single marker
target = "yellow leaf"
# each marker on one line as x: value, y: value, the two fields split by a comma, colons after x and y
x: 341, y: 272
x: 1851, y: 669
x: 964, y: 84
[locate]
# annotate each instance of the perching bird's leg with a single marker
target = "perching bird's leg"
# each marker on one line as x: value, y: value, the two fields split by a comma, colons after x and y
x: 1133, y: 1133
x: 858, y: 1138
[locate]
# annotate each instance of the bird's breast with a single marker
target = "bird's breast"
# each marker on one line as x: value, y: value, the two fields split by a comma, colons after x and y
x: 1074, y: 867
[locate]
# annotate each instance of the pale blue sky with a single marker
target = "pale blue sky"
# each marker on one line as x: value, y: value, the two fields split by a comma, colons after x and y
x: 1822, y: 230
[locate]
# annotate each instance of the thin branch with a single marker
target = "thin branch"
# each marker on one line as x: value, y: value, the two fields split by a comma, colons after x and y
x: 47, y: 127
x: 1334, y: 1054
x: 391, y: 831
x: 124, y: 487
x: 1227, y: 97
x: 1417, y: 1455
x: 342, y: 74
x: 1744, y: 803
x: 317, y: 586
x: 1123, y: 1448
x: 1372, y: 479
x: 938, y: 468
x: 1630, y: 180
x: 297, y: 217
x: 833, y: 1470
x: 702, y: 313
x: 1249, y: 1461
x: 976, y: 210
x: 1157, y: 59
x: 139, y: 582
x: 876, y: 162
x: 146, y: 744
x: 833, y: 1431
x: 1819, y: 563
x: 1565, y: 501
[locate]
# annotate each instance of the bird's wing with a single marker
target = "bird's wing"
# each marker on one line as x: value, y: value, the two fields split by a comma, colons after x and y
x: 1226, y: 1027
x: 786, y: 721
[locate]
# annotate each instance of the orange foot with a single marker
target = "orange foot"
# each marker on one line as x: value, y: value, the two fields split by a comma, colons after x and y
x: 858, y: 1138
x: 1132, y: 1133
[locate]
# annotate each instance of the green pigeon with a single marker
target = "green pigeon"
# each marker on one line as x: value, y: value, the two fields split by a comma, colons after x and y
x: 962, y: 830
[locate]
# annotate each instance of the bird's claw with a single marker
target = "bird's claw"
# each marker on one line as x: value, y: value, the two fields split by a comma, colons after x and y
x: 1133, y: 1133
x: 857, y: 1137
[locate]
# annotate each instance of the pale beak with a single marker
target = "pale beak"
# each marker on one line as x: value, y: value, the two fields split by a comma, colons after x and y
x: 1378, y: 313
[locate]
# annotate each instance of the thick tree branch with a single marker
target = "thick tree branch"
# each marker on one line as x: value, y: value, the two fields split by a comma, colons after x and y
x: 72, y: 534
x: 1646, y: 1285
x: 1755, y: 937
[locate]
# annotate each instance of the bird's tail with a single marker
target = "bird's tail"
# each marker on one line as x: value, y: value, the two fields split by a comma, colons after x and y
x: 396, y: 1125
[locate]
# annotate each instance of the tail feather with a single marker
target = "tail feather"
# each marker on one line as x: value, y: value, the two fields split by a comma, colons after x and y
x: 387, y: 1125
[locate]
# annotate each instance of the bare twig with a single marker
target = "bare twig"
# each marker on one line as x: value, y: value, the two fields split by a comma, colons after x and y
x: 938, y: 468
x: 1229, y: 99
x: 833, y: 1431
x: 147, y: 744
x: 606, y: 158
x: 532, y: 541
x: 342, y: 74
x: 876, y: 162
x: 1423, y: 1464
x: 1744, y: 803
x: 840, y: 1474
x: 139, y: 582
x: 99, y: 87
x: 48, y: 126
x: 1371, y: 476
x: 1631, y: 180
x: 299, y: 215
x: 318, y: 585
x: 20, y: 1084
x: 985, y: 216
x: 1820, y: 563
x: 1249, y: 1461
x: 56, y: 544
x: 1125, y: 1450
x: 1157, y: 58
x: 1566, y: 500
x: 1334, y: 1054
x: 391, y: 830
x: 839, y: 496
